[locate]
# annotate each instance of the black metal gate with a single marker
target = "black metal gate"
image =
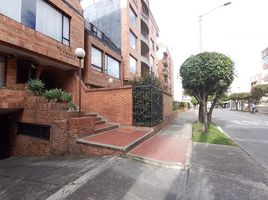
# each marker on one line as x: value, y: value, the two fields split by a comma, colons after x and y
x: 147, y: 105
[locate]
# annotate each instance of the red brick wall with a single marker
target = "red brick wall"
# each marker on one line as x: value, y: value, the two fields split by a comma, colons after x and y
x: 115, y: 104
x: 16, y: 35
x: 63, y: 132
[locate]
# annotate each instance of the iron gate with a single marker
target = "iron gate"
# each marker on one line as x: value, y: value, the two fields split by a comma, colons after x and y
x: 147, y: 105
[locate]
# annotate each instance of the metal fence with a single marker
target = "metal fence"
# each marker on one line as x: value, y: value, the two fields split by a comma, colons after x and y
x: 147, y: 105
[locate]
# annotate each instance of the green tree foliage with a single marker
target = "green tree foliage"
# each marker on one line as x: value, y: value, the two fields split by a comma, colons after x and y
x: 259, y: 91
x: 243, y: 96
x: 207, y: 74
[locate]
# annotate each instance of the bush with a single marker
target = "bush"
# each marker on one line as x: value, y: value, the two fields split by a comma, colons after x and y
x: 54, y: 94
x: 66, y: 97
x: 71, y: 107
x: 37, y: 86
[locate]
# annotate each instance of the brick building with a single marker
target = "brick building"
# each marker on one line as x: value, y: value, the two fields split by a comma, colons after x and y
x: 131, y: 26
x: 165, y: 69
x: 37, y: 41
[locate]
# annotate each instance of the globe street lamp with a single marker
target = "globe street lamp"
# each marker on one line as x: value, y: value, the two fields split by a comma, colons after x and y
x: 80, y: 54
x: 200, y: 22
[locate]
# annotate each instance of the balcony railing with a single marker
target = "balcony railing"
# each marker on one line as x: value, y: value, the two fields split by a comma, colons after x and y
x: 145, y: 60
x: 93, y: 30
x: 144, y: 17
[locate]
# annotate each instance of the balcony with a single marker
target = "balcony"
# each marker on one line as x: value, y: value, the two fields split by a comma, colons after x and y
x: 145, y: 2
x: 165, y: 62
x: 145, y: 60
x: 145, y: 18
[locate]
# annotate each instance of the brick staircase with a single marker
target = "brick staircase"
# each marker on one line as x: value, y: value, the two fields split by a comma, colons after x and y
x: 109, y: 138
x: 101, y: 125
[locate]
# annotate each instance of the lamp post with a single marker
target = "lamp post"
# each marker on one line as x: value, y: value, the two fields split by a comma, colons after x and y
x: 80, y: 54
x: 200, y: 23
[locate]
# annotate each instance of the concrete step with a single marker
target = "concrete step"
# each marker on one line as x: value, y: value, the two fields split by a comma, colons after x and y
x: 90, y: 114
x: 100, y: 122
x: 105, y: 127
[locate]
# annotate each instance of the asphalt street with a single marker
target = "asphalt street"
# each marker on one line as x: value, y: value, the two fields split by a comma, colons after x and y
x: 248, y: 130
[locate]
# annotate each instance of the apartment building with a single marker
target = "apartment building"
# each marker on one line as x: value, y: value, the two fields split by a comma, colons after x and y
x: 261, y: 77
x: 165, y: 69
x: 131, y: 26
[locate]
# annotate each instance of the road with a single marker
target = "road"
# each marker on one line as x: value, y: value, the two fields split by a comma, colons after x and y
x: 248, y: 130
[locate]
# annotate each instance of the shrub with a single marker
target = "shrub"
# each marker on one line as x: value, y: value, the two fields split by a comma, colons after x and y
x: 71, y: 107
x: 66, y: 97
x: 53, y: 94
x: 37, y: 86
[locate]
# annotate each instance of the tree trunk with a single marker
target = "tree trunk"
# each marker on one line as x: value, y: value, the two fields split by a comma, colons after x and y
x: 205, y: 114
x: 200, y: 114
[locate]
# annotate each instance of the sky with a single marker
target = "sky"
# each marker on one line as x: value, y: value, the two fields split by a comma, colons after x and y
x: 239, y: 30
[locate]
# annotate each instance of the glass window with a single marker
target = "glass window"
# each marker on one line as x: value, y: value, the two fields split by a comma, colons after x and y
x: 2, y: 71
x: 132, y: 64
x: 112, y: 67
x: 25, y: 71
x: 11, y: 8
x: 265, y: 60
x: 132, y: 40
x: 38, y: 15
x: 132, y: 17
x: 66, y: 31
x: 49, y: 21
x: 96, y: 59
x: 28, y: 13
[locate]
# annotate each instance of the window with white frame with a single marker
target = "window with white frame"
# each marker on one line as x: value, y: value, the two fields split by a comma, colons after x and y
x: 132, y: 17
x: 40, y: 16
x: 132, y: 64
x: 112, y: 67
x: 132, y: 40
x: 96, y: 59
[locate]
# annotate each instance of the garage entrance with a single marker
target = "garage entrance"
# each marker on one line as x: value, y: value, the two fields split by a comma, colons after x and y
x: 5, y: 128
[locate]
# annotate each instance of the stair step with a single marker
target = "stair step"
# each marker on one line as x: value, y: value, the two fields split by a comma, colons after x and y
x: 98, y: 119
x: 90, y: 114
x: 100, y: 122
x: 105, y: 127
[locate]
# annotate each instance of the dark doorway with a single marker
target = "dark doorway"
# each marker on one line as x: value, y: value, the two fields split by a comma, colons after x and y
x: 48, y: 79
x: 5, y: 126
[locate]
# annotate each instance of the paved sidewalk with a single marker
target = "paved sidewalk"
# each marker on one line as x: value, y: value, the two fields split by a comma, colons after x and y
x: 171, y: 147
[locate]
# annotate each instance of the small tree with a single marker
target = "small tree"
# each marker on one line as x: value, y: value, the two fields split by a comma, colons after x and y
x: 259, y: 91
x: 207, y: 74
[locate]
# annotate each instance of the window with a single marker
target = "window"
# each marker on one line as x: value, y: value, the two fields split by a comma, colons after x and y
x: 11, y: 8
x: 132, y: 40
x: 40, y: 16
x: 112, y: 67
x: 265, y: 60
x: 132, y: 64
x: 25, y: 71
x: 34, y: 130
x: 132, y: 17
x: 96, y: 59
x: 2, y: 71
x: 28, y: 13
x: 152, y: 61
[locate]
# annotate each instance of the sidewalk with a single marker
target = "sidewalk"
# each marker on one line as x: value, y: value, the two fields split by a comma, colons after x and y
x: 171, y: 147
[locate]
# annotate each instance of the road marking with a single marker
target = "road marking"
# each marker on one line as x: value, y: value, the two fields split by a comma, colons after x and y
x: 70, y: 188
x: 251, y: 123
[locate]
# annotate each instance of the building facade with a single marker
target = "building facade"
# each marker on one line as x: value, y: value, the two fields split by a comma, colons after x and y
x: 165, y: 70
x: 262, y: 77
x: 131, y: 26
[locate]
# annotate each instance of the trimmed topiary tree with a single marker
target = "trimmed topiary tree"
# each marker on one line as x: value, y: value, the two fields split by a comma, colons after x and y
x: 207, y: 74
